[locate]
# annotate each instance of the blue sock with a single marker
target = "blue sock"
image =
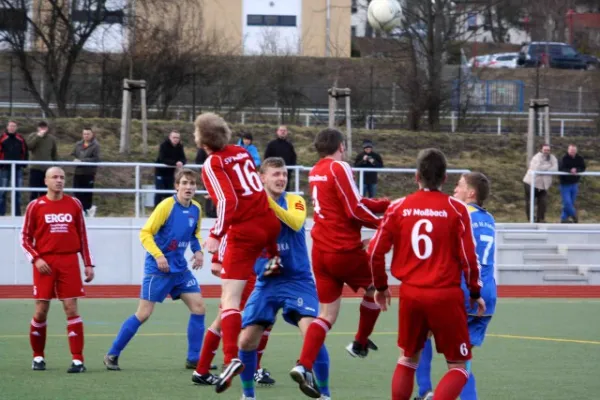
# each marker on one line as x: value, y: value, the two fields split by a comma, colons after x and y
x: 469, y: 391
x: 195, y: 335
x: 424, y: 369
x: 321, y: 369
x: 249, y: 359
x: 128, y: 330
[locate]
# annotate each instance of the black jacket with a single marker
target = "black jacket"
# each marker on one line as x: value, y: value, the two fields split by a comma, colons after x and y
x: 281, y: 148
x: 566, y: 164
x: 170, y: 155
x: 13, y: 147
x: 201, y: 156
x: 374, y: 161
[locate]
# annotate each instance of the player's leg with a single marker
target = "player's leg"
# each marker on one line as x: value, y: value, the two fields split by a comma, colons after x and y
x: 321, y: 364
x: 202, y: 376
x: 264, y: 339
x: 188, y: 290
x: 477, y: 328
x: 75, y: 335
x: 424, y: 371
x: 43, y: 292
x: 249, y: 341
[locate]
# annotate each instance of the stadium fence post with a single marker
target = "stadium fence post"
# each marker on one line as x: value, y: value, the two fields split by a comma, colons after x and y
x: 532, y: 197
x: 13, y: 189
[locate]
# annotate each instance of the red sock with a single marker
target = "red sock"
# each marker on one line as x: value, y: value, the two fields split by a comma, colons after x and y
x: 403, y: 381
x: 262, y: 345
x: 75, y: 334
x: 209, y: 349
x: 37, y: 337
x: 231, y: 326
x: 369, y: 312
x: 313, y: 340
x: 451, y: 385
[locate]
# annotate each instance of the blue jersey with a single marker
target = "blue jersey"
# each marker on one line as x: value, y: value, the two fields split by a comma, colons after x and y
x: 168, y: 232
x: 484, y: 230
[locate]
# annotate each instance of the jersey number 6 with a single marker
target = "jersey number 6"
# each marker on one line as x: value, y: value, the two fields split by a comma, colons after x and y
x: 416, y: 238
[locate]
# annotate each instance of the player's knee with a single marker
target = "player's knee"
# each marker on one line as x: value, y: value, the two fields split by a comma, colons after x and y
x: 216, y: 325
x: 246, y: 343
x: 198, y: 308
x: 70, y: 308
x: 41, y: 310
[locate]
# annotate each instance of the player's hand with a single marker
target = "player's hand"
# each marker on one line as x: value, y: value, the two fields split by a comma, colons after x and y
x: 383, y: 299
x: 89, y: 274
x: 42, y: 266
x: 215, y: 269
x: 179, y: 164
x: 211, y: 245
x: 480, y: 306
x: 197, y: 260
x: 163, y: 264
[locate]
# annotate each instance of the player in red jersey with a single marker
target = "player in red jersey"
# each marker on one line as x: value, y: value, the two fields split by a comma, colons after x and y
x: 338, y: 255
x: 53, y: 233
x: 433, y: 244
x: 243, y: 213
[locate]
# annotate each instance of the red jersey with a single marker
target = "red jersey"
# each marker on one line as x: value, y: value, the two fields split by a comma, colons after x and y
x: 233, y: 184
x: 339, y: 210
x: 55, y: 227
x: 433, y: 241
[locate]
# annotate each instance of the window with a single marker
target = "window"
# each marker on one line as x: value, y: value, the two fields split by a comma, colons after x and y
x: 85, y: 12
x: 271, y: 20
x: 568, y: 51
x: 13, y: 20
x: 353, y: 31
x: 354, y: 6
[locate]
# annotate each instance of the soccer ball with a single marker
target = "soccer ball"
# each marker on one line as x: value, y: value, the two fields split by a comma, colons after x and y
x: 384, y: 15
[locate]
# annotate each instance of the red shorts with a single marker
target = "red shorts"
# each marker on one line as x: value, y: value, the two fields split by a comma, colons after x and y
x: 63, y: 283
x: 247, y: 292
x: 441, y: 311
x: 332, y: 270
x: 245, y: 242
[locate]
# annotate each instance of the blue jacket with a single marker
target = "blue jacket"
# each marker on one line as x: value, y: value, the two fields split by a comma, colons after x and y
x: 252, y: 150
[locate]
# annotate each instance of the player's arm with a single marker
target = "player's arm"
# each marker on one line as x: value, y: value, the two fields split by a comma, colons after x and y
x: 83, y: 237
x: 295, y: 215
x: 379, y: 246
x: 468, y: 253
x: 27, y: 240
x: 376, y: 205
x: 156, y: 221
x: 349, y: 196
x: 221, y: 191
x: 197, y: 237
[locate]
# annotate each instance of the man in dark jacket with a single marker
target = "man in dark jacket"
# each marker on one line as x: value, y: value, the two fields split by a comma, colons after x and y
x: 12, y: 147
x: 210, y: 210
x: 369, y: 159
x: 572, y: 163
x: 282, y: 147
x: 170, y: 153
x: 42, y: 147
x: 86, y: 150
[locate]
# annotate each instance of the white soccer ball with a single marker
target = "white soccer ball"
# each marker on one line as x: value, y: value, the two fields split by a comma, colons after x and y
x: 384, y: 15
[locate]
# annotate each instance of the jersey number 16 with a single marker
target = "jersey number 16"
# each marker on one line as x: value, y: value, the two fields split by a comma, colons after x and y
x: 248, y: 178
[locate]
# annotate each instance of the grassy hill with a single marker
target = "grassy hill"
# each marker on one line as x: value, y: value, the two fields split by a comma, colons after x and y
x: 501, y: 158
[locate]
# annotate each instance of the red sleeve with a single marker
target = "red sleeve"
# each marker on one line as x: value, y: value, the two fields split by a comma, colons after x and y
x: 222, y: 192
x: 82, y: 232
x: 27, y: 241
x: 376, y: 205
x: 381, y: 244
x: 349, y: 196
x: 468, y: 252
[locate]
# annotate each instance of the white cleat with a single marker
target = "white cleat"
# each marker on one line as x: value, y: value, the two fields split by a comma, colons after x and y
x: 247, y: 398
x: 323, y: 397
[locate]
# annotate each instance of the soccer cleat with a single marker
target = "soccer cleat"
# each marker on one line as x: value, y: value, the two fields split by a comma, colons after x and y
x: 262, y: 377
x: 273, y: 267
x: 306, y: 381
x: 38, y: 364
x: 244, y: 397
x: 356, y: 350
x: 323, y: 397
x: 371, y: 345
x: 234, y: 368
x: 76, y: 368
x: 427, y: 396
x: 204, y: 380
x: 111, y: 362
x: 189, y: 364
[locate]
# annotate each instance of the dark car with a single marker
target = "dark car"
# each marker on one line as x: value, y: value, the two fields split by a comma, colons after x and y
x: 592, y: 62
x: 560, y: 55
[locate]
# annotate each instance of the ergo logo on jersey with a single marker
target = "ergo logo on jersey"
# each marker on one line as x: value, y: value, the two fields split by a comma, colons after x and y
x: 53, y: 218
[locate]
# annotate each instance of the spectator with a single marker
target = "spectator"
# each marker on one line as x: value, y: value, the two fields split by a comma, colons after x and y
x: 573, y: 164
x: 369, y: 159
x: 86, y: 150
x: 42, y: 146
x: 282, y: 147
x: 542, y: 161
x: 210, y: 210
x: 12, y: 147
x: 170, y: 153
x: 246, y: 142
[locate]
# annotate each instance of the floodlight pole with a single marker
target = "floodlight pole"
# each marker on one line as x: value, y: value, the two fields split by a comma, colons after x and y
x: 334, y: 94
x: 129, y: 86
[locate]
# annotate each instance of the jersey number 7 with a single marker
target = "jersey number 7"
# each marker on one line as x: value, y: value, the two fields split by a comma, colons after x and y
x: 248, y: 178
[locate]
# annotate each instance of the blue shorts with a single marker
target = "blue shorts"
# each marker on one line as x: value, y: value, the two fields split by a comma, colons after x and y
x: 297, y: 299
x: 477, y: 328
x: 157, y: 287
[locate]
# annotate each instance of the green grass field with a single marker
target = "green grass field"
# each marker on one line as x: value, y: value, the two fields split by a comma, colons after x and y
x: 535, y: 349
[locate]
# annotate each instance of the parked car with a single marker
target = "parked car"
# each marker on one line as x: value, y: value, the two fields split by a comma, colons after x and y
x: 592, y: 62
x: 558, y: 55
x: 479, y: 61
x: 502, y: 60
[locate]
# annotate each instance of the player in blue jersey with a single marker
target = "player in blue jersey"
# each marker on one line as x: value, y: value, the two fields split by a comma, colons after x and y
x: 173, y: 226
x: 290, y: 288
x: 472, y: 188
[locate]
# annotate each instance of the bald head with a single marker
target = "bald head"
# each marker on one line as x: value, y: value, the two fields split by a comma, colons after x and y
x: 55, y: 181
x: 54, y: 170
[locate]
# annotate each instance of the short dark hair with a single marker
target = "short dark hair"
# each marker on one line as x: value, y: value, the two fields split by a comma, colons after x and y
x: 431, y: 167
x: 480, y: 183
x: 328, y: 141
x: 271, y: 162
x: 185, y: 172
x: 212, y: 131
x: 42, y: 124
x: 88, y: 128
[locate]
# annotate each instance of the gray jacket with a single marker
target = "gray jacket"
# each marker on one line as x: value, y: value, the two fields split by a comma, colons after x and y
x: 91, y: 153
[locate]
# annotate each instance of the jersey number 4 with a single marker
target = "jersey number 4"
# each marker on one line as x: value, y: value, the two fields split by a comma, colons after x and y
x: 248, y: 178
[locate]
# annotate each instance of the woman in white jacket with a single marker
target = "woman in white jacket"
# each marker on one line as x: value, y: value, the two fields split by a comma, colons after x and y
x: 542, y: 161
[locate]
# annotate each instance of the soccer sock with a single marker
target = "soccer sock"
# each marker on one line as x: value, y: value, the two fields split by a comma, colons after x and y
x: 262, y: 345
x: 469, y: 391
x: 195, y: 335
x: 424, y: 369
x: 37, y: 337
x: 321, y: 368
x: 403, y: 380
x: 75, y: 334
x: 313, y: 341
x: 231, y: 326
x: 451, y: 385
x: 209, y: 349
x: 127, y: 331
x: 369, y: 312
x: 249, y: 359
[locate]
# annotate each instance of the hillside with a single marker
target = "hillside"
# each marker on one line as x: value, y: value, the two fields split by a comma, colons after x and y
x: 502, y: 158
